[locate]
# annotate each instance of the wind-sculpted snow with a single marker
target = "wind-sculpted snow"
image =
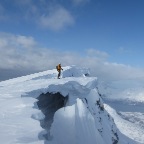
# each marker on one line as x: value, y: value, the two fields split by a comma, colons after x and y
x: 74, y: 113
x: 83, y: 119
x: 74, y: 71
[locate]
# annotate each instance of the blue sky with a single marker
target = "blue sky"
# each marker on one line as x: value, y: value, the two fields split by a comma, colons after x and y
x: 71, y: 30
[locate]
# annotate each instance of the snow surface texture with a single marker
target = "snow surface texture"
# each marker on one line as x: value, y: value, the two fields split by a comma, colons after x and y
x: 79, y: 119
x: 127, y: 98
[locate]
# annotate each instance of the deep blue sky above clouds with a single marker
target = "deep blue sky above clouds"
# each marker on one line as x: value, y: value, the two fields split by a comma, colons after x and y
x: 94, y: 33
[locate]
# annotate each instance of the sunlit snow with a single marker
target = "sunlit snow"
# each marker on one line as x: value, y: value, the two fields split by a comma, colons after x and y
x: 80, y: 119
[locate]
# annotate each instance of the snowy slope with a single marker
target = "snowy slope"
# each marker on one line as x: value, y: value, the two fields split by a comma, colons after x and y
x: 39, y: 108
x: 127, y: 98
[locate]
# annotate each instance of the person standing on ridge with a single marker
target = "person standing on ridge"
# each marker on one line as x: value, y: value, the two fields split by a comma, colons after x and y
x: 59, y: 68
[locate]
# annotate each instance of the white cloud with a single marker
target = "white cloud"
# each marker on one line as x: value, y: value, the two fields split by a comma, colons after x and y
x: 122, y: 50
x: 2, y: 13
x: 1, y: 9
x: 7, y: 40
x: 96, y: 53
x: 19, y: 54
x: 24, y: 41
x: 46, y: 14
x: 12, y: 50
x: 78, y: 2
x: 22, y: 2
x: 57, y: 19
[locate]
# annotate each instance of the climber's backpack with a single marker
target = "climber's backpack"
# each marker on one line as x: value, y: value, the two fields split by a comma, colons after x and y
x: 57, y: 67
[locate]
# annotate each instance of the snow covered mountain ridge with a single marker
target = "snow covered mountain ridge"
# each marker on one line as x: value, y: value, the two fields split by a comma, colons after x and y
x: 40, y: 108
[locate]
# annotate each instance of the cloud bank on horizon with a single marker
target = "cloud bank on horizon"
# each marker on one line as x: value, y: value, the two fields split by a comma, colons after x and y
x: 23, y: 55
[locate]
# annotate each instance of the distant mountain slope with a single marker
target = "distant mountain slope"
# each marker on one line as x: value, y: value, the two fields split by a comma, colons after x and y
x: 127, y: 98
